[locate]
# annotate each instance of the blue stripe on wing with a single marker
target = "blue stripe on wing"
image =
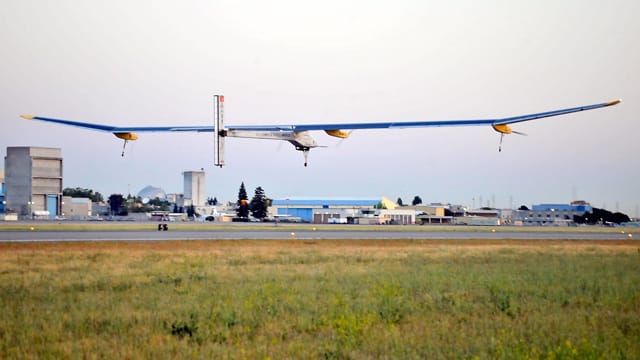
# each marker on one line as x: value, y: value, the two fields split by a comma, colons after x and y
x: 108, y: 128
x: 123, y: 129
x: 361, y: 126
x: 163, y: 128
x: 391, y: 125
x: 521, y: 118
x: 419, y: 124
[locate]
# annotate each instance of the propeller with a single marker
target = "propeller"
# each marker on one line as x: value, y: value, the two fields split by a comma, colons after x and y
x: 344, y: 138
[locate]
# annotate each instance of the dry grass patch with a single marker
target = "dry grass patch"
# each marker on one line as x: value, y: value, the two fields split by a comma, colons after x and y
x: 320, y: 299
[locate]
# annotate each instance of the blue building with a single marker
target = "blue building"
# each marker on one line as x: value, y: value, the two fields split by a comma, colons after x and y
x: 580, y: 207
x: 2, y: 201
x: 304, y: 209
x: 552, y: 214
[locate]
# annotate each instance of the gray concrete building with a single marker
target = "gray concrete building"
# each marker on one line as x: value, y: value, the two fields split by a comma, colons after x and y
x: 194, y: 188
x: 552, y: 214
x: 33, y: 181
x: 76, y: 208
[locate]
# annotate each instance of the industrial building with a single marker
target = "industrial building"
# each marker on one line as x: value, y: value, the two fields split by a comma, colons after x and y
x: 33, y: 181
x: 194, y: 188
x: 76, y: 208
x: 341, y: 211
x: 551, y: 214
x: 432, y: 214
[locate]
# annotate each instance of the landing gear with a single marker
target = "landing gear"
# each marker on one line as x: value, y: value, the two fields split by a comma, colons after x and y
x: 126, y: 136
x: 510, y: 132
x: 124, y: 146
x: 305, y: 152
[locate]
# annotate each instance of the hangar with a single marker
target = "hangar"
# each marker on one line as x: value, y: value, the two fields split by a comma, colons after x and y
x: 552, y: 214
x: 333, y: 210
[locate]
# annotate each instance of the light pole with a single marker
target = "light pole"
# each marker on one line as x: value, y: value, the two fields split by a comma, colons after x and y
x: 30, y: 204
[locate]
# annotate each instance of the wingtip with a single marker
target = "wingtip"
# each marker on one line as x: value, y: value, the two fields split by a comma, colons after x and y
x: 28, y: 117
x: 614, y: 102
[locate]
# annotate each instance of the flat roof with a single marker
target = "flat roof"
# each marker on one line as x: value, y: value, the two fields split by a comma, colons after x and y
x: 326, y: 202
x: 560, y: 207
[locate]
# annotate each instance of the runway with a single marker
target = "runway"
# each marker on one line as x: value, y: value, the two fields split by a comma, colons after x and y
x: 297, y: 234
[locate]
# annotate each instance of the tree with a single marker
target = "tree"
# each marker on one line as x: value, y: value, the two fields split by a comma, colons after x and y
x: 399, y: 202
x: 380, y: 206
x: 243, y: 207
x: 84, y: 193
x: 416, y: 201
x: 258, y: 204
x: 159, y: 204
x: 191, y: 211
x: 601, y: 216
x: 115, y: 204
x: 618, y: 217
x: 523, y: 207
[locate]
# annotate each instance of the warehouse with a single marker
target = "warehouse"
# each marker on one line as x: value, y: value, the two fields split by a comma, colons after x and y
x: 341, y: 211
x: 552, y: 214
x: 33, y: 181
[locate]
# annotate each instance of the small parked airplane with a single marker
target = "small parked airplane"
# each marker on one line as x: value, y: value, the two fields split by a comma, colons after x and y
x: 298, y: 135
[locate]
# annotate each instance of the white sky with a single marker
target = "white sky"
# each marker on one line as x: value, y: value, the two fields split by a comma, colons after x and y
x: 160, y: 62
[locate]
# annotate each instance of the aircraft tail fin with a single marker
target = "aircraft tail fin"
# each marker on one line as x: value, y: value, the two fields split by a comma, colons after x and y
x: 220, y: 131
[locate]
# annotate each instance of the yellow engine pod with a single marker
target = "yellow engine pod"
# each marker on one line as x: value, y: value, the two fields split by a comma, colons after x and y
x: 503, y: 129
x: 337, y: 133
x: 126, y: 136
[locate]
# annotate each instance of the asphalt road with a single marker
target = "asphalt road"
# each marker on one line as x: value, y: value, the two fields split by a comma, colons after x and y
x: 154, y: 235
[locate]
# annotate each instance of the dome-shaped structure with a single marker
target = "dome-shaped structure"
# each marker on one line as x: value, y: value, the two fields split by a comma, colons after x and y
x: 151, y: 192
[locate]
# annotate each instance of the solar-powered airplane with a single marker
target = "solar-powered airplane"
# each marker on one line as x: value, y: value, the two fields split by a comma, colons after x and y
x: 298, y: 135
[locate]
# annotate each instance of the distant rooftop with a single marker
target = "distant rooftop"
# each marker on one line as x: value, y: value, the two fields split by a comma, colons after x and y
x: 561, y: 207
x: 326, y: 202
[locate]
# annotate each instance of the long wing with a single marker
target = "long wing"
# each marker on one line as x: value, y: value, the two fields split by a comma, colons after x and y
x: 418, y: 124
x: 335, y: 126
x: 120, y: 129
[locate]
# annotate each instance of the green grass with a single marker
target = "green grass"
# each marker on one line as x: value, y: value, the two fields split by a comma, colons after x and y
x: 319, y: 300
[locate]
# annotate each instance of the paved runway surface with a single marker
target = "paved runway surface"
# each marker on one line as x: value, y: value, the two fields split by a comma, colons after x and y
x: 154, y: 235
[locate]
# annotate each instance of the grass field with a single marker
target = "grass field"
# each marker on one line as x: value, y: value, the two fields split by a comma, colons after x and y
x: 320, y: 299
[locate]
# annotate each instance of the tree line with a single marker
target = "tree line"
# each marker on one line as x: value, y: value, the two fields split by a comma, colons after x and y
x: 601, y: 216
x: 83, y: 193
